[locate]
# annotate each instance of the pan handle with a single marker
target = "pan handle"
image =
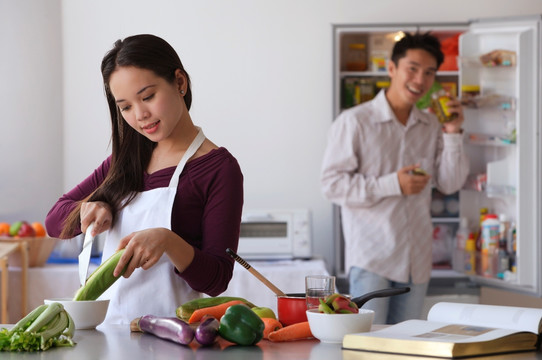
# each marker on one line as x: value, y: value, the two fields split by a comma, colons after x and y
x: 359, y: 301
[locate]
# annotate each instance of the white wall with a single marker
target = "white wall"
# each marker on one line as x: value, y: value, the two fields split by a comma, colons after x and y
x: 31, y: 167
x: 262, y: 83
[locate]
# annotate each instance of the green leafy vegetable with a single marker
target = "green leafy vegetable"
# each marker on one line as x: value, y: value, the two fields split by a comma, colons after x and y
x: 44, y: 327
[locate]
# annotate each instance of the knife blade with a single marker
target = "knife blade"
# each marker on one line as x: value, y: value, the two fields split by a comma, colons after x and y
x: 84, y: 256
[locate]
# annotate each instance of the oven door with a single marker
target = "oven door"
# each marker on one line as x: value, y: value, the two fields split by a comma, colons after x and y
x: 266, y: 236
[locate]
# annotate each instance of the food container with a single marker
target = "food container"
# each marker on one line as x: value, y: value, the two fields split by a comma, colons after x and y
x: 331, y: 328
x: 356, y: 58
x: 292, y: 308
x: 379, y: 61
x: 469, y: 94
x: 85, y: 314
x: 366, y: 90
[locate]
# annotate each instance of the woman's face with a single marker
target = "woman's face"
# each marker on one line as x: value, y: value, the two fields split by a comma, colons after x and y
x: 148, y: 103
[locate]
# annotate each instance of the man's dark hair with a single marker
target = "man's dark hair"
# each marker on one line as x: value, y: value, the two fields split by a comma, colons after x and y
x: 424, y: 41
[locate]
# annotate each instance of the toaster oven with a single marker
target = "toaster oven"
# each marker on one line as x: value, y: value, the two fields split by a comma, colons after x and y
x: 275, y: 234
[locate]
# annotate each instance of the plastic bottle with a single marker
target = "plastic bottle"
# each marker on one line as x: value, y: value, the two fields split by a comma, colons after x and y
x: 503, y: 256
x: 478, y: 239
x: 483, y: 212
x: 490, y: 241
x: 461, y: 237
x: 462, y: 233
x: 504, y: 228
x: 470, y: 255
x: 503, y: 260
x: 512, y: 245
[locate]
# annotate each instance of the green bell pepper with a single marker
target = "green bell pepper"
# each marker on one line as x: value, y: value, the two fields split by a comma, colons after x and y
x: 241, y: 325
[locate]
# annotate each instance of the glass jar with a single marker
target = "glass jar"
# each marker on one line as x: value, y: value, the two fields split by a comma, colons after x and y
x: 382, y: 85
x: 469, y: 94
x: 366, y: 90
x: 439, y: 104
x: 356, y: 58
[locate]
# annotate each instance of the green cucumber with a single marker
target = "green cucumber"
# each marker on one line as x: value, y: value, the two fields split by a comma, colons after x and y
x: 100, y: 280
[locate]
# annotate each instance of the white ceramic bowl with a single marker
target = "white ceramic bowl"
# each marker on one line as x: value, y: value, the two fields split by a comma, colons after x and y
x: 331, y: 328
x: 85, y: 314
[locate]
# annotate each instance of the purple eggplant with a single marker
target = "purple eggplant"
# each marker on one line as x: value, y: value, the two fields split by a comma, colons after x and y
x: 207, y: 331
x: 169, y: 328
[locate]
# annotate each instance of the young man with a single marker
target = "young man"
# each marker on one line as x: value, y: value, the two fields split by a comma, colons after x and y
x: 367, y: 170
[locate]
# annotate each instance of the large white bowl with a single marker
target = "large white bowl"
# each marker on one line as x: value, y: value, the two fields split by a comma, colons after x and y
x: 331, y: 328
x: 85, y: 314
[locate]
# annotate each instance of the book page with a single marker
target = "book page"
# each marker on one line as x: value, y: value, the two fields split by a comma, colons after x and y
x: 505, y: 317
x: 439, y: 332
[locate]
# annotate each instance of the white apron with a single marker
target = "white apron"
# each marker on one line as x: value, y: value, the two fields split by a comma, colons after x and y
x: 159, y: 290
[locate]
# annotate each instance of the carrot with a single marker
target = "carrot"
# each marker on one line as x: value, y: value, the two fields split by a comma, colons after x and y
x: 217, y: 311
x: 270, y: 326
x: 292, y: 332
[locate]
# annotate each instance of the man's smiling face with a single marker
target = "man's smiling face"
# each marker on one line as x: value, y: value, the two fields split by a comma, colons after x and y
x: 412, y: 77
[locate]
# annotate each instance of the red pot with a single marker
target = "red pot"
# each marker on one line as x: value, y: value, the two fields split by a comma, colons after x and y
x: 292, y: 308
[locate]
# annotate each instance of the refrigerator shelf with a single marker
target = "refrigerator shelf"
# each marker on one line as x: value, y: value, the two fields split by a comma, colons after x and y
x: 445, y: 220
x: 496, y: 191
x: 343, y: 74
x: 491, y: 101
x: 493, y: 59
x: 491, y: 140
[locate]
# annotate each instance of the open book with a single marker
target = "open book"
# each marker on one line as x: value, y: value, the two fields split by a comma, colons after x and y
x: 454, y: 330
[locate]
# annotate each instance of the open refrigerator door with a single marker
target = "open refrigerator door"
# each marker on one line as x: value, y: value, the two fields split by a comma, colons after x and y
x: 499, y: 78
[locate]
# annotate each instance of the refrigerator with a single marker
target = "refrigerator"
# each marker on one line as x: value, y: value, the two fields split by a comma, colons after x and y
x: 496, y: 72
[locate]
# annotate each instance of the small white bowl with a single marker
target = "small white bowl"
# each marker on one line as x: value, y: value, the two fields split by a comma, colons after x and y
x: 331, y: 328
x: 85, y: 314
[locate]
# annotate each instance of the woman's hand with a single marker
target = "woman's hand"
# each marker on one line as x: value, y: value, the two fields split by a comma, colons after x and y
x: 97, y: 212
x: 143, y: 249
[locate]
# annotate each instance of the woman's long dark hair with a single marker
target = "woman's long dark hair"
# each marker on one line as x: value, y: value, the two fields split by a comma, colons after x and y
x: 131, y: 151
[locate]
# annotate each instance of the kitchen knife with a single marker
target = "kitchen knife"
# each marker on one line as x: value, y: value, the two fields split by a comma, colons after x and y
x: 84, y: 257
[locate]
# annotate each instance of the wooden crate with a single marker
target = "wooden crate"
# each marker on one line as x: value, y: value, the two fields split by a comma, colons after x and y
x: 39, y: 250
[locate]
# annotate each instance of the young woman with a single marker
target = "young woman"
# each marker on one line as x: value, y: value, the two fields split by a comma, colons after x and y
x: 166, y: 194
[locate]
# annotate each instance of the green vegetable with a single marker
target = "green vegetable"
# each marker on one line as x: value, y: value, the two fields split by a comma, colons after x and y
x: 46, y: 317
x: 100, y: 280
x: 324, y: 308
x: 185, y: 310
x: 44, y: 327
x: 241, y: 325
x: 28, y: 319
x: 337, y: 304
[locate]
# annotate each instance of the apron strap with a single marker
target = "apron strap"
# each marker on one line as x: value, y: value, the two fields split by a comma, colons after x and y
x: 194, y: 146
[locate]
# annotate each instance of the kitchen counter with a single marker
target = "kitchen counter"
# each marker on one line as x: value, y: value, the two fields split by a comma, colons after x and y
x: 117, y: 342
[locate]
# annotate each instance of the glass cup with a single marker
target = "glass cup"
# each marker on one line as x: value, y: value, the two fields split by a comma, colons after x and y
x: 318, y: 287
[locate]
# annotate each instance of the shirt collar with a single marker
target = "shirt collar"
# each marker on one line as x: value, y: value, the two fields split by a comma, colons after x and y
x: 381, y: 102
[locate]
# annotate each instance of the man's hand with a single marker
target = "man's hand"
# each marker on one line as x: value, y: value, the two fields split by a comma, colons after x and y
x: 411, y: 183
x: 454, y: 126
